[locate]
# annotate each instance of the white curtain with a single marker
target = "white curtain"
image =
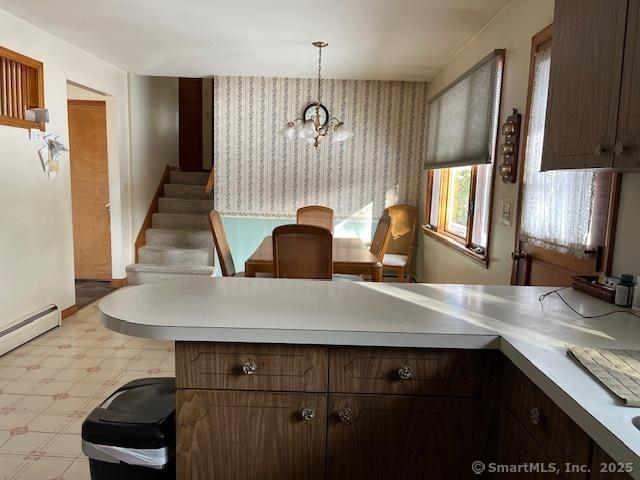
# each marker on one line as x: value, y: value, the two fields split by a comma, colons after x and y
x: 557, y: 205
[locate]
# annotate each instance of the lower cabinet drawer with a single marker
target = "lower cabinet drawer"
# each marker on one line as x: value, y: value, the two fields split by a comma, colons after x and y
x: 239, y: 366
x: 239, y: 435
x: 559, y: 437
x: 405, y: 371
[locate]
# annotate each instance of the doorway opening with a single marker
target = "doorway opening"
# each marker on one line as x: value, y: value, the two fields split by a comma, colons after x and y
x: 89, y: 149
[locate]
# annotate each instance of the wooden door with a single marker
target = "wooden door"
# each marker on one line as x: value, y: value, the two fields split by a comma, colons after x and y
x: 90, y: 189
x: 584, y: 85
x: 394, y: 436
x: 190, y: 124
x: 627, y: 148
x: 234, y: 435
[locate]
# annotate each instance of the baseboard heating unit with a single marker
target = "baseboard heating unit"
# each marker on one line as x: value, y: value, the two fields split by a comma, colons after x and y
x: 24, y: 329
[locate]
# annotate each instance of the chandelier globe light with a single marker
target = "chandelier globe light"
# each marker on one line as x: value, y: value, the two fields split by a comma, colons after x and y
x: 315, y: 123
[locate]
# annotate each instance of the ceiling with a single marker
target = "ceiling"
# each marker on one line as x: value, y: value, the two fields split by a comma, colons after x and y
x: 369, y: 39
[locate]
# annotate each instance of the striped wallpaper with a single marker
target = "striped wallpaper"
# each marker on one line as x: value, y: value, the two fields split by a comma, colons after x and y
x: 260, y: 174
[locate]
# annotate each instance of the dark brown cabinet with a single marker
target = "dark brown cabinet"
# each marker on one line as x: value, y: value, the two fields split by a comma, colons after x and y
x: 603, y: 467
x: 378, y: 437
x: 584, y: 85
x: 285, y: 412
x: 628, y: 139
x: 239, y: 435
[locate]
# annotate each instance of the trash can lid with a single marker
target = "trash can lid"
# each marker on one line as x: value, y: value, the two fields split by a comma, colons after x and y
x: 141, y: 414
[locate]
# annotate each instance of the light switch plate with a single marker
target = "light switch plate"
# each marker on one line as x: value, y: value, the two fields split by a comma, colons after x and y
x: 35, y: 134
x: 506, y: 211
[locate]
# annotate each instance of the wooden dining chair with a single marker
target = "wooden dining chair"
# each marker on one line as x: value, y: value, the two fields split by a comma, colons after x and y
x: 315, y: 215
x: 399, y: 254
x: 378, y: 247
x: 302, y: 251
x: 222, y: 245
x: 381, y: 237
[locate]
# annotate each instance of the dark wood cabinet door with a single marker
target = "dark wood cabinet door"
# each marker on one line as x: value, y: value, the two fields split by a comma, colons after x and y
x: 383, y: 436
x: 603, y: 467
x: 584, y: 85
x: 235, y: 435
x: 627, y: 149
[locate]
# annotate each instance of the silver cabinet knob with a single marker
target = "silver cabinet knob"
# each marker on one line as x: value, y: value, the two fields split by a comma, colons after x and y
x: 249, y: 368
x: 404, y: 372
x: 308, y: 413
x: 345, y: 415
x: 107, y: 206
x: 619, y: 148
x: 598, y: 150
x: 535, y: 416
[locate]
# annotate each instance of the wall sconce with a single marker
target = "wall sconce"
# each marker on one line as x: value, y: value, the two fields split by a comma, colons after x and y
x: 38, y: 115
x: 510, y: 147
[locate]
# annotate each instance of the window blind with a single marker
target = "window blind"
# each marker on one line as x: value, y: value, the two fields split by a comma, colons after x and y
x: 463, y: 119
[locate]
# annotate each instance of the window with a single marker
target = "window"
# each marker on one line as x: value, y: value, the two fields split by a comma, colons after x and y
x: 562, y: 211
x: 458, y: 199
x: 21, y: 88
x: 458, y: 207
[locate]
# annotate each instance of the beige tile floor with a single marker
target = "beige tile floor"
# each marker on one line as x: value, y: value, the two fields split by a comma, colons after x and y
x: 49, y: 385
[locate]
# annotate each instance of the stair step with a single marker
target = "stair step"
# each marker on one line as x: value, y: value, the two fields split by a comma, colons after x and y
x: 155, y: 255
x: 179, y: 238
x: 179, y: 221
x: 139, y: 273
x: 196, y: 192
x: 181, y: 205
x: 189, y: 178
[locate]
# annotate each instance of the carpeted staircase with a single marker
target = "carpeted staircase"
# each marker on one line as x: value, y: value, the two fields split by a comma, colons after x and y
x: 179, y: 242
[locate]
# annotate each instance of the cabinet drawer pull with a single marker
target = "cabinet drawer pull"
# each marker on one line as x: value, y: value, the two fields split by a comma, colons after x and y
x: 249, y: 368
x: 405, y: 373
x: 308, y: 413
x: 619, y: 148
x: 535, y: 416
x: 345, y: 415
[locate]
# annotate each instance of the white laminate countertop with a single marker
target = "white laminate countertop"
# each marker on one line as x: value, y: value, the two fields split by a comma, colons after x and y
x: 532, y: 336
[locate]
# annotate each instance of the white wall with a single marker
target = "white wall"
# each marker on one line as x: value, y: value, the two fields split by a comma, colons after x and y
x: 36, y: 240
x: 511, y: 29
x: 36, y: 249
x: 154, y: 139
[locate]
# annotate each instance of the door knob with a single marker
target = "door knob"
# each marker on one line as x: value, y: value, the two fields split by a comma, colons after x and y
x: 108, y: 206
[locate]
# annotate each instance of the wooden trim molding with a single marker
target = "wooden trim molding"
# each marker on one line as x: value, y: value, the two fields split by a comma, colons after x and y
x: 456, y: 245
x: 67, y: 312
x: 153, y: 208
x: 119, y: 282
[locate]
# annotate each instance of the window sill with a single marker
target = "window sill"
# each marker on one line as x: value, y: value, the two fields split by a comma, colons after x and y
x: 458, y: 247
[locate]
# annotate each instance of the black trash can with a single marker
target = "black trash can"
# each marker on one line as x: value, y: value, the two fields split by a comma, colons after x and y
x: 132, y: 434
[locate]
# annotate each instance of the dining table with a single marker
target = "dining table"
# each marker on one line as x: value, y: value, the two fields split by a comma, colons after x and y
x: 350, y: 256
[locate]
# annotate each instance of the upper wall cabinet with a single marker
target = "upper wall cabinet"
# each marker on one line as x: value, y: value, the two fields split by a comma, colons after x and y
x: 587, y: 64
x: 627, y: 147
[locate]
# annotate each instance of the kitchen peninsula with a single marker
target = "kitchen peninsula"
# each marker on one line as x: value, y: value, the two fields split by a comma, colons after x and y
x: 307, y: 379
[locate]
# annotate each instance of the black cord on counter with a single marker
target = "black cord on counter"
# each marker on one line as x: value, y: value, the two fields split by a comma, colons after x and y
x: 542, y: 298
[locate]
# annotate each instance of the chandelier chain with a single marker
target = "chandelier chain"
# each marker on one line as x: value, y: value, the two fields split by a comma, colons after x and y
x: 319, y: 72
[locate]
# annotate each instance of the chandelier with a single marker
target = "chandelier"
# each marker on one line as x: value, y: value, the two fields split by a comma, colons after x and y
x: 315, y: 123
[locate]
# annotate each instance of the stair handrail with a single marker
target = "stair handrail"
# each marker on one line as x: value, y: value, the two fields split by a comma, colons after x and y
x: 209, y: 186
